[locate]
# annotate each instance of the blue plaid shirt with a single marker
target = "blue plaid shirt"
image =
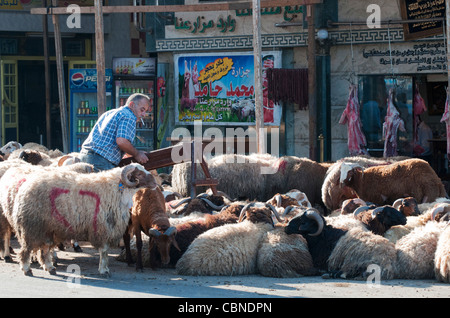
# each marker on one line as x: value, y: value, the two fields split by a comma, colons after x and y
x: 119, y: 122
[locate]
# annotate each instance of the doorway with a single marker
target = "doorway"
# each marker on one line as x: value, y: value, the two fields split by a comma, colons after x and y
x: 32, y: 108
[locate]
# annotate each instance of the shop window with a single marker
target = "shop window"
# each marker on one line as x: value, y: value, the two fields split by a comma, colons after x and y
x: 373, y: 98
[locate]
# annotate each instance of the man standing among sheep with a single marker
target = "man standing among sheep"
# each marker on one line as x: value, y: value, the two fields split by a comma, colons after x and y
x: 113, y: 134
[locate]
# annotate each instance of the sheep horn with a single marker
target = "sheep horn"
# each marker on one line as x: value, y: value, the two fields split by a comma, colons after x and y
x: 288, y: 210
x: 376, y: 211
x: 244, y: 209
x: 180, y: 203
x: 126, y: 172
x: 313, y: 215
x: 437, y: 209
x: 360, y: 209
x: 171, y: 231
x: 154, y: 232
x: 274, y: 212
x: 215, y: 207
x: 397, y: 203
x: 278, y: 199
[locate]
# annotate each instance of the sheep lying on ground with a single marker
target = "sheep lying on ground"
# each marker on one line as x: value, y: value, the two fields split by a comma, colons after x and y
x: 282, y: 255
x: 343, y: 253
x: 7, y: 149
x: 149, y: 216
x: 201, y: 203
x: 230, y: 249
x: 66, y: 205
x: 416, y: 252
x: 429, y: 213
x: 442, y: 257
x: 384, y: 184
x: 379, y: 219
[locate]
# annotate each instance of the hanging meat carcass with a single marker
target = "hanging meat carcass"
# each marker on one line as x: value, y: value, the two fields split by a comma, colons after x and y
x: 419, y: 108
x: 356, y: 139
x: 446, y: 118
x: 392, y: 123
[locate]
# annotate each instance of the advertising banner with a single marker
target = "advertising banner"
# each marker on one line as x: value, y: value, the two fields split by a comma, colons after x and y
x: 130, y: 66
x: 218, y: 89
x: 86, y: 79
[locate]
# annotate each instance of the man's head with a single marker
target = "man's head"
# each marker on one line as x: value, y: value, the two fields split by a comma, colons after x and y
x: 139, y: 104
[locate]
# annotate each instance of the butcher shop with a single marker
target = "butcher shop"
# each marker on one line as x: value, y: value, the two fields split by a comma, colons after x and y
x: 379, y: 84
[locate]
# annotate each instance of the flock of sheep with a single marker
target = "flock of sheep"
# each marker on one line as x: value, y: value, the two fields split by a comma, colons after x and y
x: 338, y: 220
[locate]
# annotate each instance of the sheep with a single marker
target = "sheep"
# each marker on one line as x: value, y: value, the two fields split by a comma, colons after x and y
x: 282, y: 255
x: 379, y: 219
x: 407, y: 206
x: 10, y: 182
x: 384, y: 184
x: 230, y: 249
x: 65, y: 205
x: 149, y: 216
x: 430, y: 212
x: 7, y: 149
x: 293, y: 197
x: 201, y: 203
x: 260, y: 176
x: 442, y: 257
x: 343, y: 253
x: 416, y: 252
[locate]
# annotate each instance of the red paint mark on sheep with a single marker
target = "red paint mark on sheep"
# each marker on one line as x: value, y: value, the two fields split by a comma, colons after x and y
x: 55, y: 193
x: 97, y: 206
x: 19, y: 183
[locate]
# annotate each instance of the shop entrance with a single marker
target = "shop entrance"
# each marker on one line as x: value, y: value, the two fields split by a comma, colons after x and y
x: 31, y: 104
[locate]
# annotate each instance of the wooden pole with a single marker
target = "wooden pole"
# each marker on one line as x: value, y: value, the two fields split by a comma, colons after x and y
x: 61, y: 85
x: 100, y: 58
x: 259, y: 115
x: 47, y: 79
x: 312, y: 107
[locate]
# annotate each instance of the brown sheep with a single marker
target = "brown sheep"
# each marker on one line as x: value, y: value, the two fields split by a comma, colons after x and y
x: 149, y: 216
x: 385, y: 184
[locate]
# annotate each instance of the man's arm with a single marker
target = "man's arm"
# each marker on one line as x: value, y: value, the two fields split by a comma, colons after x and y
x: 126, y: 146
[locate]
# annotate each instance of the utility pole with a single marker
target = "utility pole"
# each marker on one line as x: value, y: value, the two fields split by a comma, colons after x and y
x: 259, y: 115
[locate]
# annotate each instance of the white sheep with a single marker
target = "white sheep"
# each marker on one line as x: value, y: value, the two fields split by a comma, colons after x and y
x: 442, y: 257
x: 416, y: 252
x: 10, y: 182
x: 66, y: 205
x: 229, y: 249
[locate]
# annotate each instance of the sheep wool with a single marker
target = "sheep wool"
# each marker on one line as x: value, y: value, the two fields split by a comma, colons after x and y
x: 442, y: 257
x: 282, y: 255
x: 358, y: 249
x: 227, y: 250
x: 416, y: 252
x: 68, y: 205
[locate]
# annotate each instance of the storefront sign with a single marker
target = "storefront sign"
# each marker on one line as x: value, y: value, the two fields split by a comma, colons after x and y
x: 422, y: 57
x: 219, y: 89
x: 422, y: 9
x: 134, y: 66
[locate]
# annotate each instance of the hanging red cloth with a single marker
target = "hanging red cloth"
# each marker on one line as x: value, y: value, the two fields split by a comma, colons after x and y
x: 356, y: 139
x: 392, y: 123
x: 446, y: 118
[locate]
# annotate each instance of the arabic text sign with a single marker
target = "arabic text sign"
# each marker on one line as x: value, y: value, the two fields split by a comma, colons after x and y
x: 219, y: 89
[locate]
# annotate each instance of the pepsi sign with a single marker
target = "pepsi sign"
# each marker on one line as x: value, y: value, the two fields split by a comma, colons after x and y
x: 86, y: 79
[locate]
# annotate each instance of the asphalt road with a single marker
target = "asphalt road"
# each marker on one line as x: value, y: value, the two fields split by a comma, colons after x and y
x: 77, y: 277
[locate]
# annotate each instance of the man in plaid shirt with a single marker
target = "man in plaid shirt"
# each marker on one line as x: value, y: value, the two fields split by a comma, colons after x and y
x: 113, y: 134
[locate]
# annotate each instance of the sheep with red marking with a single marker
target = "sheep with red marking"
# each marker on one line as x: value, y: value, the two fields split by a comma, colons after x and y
x: 12, y: 179
x: 384, y: 184
x: 149, y: 216
x: 65, y: 205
